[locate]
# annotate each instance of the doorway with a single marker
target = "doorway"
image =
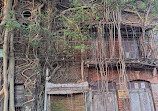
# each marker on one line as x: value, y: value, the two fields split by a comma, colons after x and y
x: 140, y: 96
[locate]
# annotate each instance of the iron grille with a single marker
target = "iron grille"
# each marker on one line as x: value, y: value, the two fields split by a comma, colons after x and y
x: 18, y: 108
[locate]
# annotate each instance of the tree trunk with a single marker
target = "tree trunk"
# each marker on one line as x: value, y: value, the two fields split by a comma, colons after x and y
x: 5, y: 65
x: 11, y: 73
x: 7, y: 8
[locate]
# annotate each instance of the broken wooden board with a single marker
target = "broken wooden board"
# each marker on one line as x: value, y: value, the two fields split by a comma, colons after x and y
x: 66, y: 88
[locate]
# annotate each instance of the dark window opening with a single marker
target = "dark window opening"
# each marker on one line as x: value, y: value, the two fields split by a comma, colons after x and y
x: 130, y: 31
x: 131, y: 42
x: 106, y: 37
x: 26, y: 14
x: 131, y: 48
x: 138, y: 84
x: 25, y: 25
x: 106, y: 40
x: 93, y: 32
x: 19, y: 94
x: 18, y: 108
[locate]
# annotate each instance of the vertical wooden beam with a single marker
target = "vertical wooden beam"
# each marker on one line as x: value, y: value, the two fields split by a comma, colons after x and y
x: 45, y: 97
x: 49, y: 103
x: 89, y: 104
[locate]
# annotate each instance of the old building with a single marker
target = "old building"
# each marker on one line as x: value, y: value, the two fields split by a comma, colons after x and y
x: 83, y: 55
x: 119, y: 72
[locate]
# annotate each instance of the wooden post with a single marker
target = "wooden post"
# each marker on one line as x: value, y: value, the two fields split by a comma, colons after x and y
x: 88, y: 100
x: 45, y: 99
x: 82, y: 71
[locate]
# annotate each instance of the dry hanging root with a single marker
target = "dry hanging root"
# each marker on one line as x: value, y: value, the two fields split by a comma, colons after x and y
x: 102, y: 57
x: 123, y: 78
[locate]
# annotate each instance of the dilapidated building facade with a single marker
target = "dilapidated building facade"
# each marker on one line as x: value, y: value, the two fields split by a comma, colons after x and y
x: 84, y: 55
x: 118, y: 72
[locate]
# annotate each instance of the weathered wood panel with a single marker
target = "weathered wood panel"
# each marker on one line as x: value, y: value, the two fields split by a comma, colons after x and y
x: 140, y: 96
x: 106, y: 102
x: 102, y: 100
x: 141, y: 100
x: 66, y: 88
x: 74, y: 102
x: 154, y: 88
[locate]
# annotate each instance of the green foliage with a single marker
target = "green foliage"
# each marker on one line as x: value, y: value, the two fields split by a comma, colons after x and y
x: 82, y: 47
x: 12, y: 13
x: 76, y: 28
x: 37, y: 69
x: 12, y: 24
x: 76, y: 3
x: 76, y: 24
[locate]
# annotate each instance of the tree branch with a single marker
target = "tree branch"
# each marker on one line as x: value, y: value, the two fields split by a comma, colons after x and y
x: 2, y: 92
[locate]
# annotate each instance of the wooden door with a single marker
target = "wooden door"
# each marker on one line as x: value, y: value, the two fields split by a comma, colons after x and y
x: 102, y: 100
x: 105, y: 102
x: 141, y: 97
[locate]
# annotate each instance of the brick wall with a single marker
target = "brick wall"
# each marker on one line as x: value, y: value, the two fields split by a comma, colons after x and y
x: 146, y: 75
x: 114, y: 76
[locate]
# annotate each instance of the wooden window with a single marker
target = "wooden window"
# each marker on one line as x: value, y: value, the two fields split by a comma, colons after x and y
x: 100, y: 41
x: 19, y: 94
x: 131, y: 38
x: 131, y: 48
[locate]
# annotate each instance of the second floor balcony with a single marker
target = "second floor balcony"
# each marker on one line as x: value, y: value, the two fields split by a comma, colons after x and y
x: 133, y: 46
